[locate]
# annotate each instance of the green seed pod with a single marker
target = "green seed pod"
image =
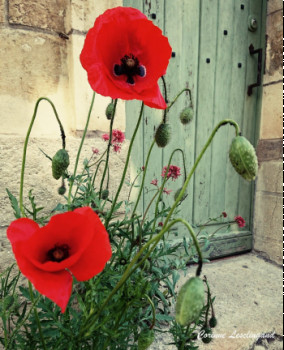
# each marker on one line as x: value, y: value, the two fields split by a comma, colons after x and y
x: 243, y: 158
x: 206, y: 335
x: 163, y: 135
x: 105, y: 194
x: 186, y: 115
x: 145, y: 339
x: 60, y: 163
x: 177, y: 194
x: 109, y: 111
x: 61, y: 190
x: 190, y: 301
x: 213, y: 322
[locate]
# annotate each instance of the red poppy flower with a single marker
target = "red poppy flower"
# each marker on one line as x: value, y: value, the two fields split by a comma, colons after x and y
x: 240, y: 221
x: 124, y: 55
x: 73, y: 243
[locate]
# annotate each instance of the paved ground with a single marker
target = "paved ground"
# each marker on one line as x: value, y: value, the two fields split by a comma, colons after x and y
x: 248, y: 302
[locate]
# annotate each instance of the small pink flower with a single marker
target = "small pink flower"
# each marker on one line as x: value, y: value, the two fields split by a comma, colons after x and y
x: 105, y: 137
x: 95, y: 150
x: 154, y: 182
x: 117, y: 136
x: 143, y: 168
x: 160, y: 224
x: 116, y: 148
x: 167, y: 191
x: 224, y: 214
x: 174, y: 172
x: 240, y: 221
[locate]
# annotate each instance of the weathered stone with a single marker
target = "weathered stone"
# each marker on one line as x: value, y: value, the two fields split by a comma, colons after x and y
x: 269, y: 177
x: 2, y: 11
x: 273, y: 69
x: 268, y: 226
x: 84, y: 12
x: 271, y: 121
x: 44, y: 14
x: 274, y: 5
x: 269, y: 150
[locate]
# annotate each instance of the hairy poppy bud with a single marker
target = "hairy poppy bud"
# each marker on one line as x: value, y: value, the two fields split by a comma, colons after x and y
x: 177, y: 194
x: 105, y: 194
x: 109, y: 111
x: 213, y: 322
x: 60, y: 163
x: 163, y: 135
x: 190, y: 301
x: 243, y: 158
x: 206, y: 334
x: 61, y: 190
x: 145, y: 339
x: 186, y: 115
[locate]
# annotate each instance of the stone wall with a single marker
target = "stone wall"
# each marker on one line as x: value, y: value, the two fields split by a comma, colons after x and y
x: 268, y: 198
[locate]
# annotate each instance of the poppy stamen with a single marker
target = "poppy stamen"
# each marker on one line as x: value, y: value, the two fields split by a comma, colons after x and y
x: 58, y: 253
x: 130, y: 67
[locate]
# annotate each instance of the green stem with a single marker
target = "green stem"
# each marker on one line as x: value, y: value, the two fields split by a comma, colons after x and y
x: 36, y: 316
x: 176, y: 98
x: 80, y: 148
x: 153, y: 311
x: 179, y: 197
x: 26, y: 145
x: 143, y: 178
x: 125, y: 167
x: 108, y: 146
x: 185, y: 338
x: 147, y: 209
x: 132, y: 185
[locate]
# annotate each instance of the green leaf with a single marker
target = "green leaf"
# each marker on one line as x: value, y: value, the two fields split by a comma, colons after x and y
x: 14, y: 204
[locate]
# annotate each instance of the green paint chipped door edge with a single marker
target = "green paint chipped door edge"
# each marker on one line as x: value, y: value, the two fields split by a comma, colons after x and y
x: 210, y: 40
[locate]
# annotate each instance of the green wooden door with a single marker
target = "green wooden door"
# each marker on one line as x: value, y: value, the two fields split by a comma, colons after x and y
x: 210, y: 39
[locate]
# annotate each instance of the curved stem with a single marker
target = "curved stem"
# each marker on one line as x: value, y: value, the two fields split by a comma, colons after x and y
x: 178, y: 95
x: 125, y: 167
x: 26, y: 145
x: 108, y: 146
x: 153, y: 311
x: 80, y: 148
x: 95, y: 175
x: 179, y: 197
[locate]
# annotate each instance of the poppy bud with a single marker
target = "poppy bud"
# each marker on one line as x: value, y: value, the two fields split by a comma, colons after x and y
x: 206, y: 335
x: 163, y: 135
x: 186, y: 115
x: 145, y: 339
x: 213, y: 322
x: 60, y: 163
x: 61, y: 190
x: 243, y: 158
x: 190, y: 301
x: 105, y: 194
x: 109, y: 111
x: 177, y: 194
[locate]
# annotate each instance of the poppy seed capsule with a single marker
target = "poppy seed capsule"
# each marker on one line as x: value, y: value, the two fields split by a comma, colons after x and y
x: 213, y: 322
x: 60, y: 163
x: 145, y: 339
x: 105, y: 194
x: 61, y: 190
x: 163, y: 135
x: 206, y: 335
x: 109, y: 111
x: 243, y: 158
x: 190, y: 301
x: 186, y: 115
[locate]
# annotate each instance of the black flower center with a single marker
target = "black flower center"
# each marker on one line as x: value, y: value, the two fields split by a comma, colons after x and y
x: 130, y: 67
x: 58, y: 253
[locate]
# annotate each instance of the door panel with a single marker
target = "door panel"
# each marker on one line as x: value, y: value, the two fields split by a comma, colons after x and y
x: 210, y: 39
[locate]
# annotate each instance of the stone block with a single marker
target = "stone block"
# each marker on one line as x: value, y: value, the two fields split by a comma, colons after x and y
x: 274, y: 5
x: 271, y: 119
x: 44, y: 14
x: 274, y: 30
x: 268, y: 226
x: 84, y: 12
x: 270, y: 177
x: 2, y: 11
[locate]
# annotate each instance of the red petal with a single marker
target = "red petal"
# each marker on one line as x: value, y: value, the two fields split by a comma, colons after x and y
x: 21, y: 230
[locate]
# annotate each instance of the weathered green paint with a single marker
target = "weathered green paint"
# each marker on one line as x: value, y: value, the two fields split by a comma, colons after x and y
x: 199, y: 30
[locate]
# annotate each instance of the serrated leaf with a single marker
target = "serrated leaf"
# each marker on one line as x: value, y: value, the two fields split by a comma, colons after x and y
x: 14, y: 204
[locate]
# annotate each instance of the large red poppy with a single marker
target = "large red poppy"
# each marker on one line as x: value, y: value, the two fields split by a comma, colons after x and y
x: 124, y: 55
x: 73, y: 243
